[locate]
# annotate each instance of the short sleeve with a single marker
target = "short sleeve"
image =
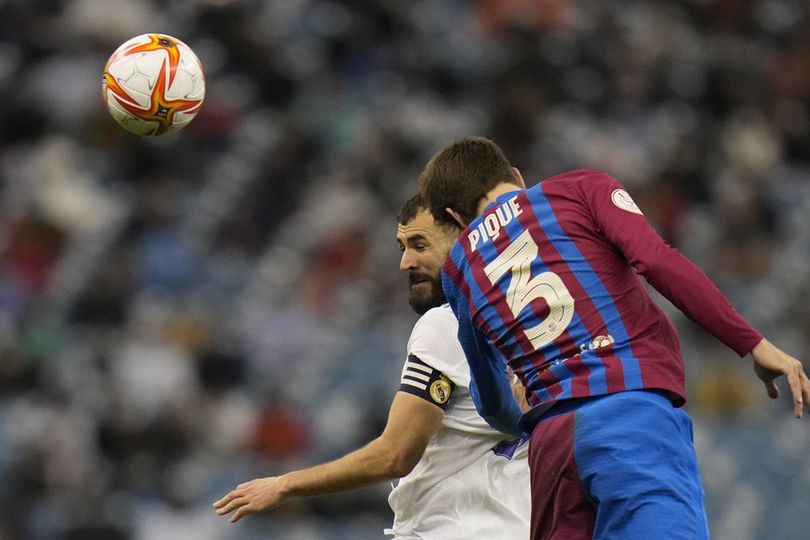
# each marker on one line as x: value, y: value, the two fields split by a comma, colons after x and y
x: 434, y: 341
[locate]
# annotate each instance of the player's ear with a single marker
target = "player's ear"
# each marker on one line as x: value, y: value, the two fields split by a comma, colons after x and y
x: 457, y: 217
x: 519, y: 178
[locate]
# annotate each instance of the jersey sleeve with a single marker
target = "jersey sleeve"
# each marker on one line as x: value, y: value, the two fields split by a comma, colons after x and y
x: 433, y: 340
x: 666, y: 269
x: 489, y: 385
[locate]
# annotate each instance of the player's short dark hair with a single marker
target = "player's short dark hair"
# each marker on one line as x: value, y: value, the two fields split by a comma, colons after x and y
x: 410, y: 209
x: 461, y: 174
x: 416, y: 204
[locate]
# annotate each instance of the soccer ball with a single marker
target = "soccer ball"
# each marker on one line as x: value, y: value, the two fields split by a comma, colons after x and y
x: 153, y: 85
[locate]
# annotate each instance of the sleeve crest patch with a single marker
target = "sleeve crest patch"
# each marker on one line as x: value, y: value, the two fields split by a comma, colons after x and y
x: 623, y: 200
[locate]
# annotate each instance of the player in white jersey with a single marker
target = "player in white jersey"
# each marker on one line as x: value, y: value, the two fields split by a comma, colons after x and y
x: 470, y: 482
x: 459, y: 479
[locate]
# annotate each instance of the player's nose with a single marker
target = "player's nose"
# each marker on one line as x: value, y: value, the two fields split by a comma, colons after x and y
x: 407, y: 261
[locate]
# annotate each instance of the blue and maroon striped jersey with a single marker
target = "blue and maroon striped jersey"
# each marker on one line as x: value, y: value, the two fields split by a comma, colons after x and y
x: 547, y: 281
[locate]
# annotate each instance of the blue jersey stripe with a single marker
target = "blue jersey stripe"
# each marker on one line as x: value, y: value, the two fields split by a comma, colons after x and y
x: 485, y: 310
x: 597, y: 380
x: 490, y: 314
x: 550, y: 352
x: 588, y: 279
x: 489, y: 253
x: 489, y: 385
x: 564, y: 376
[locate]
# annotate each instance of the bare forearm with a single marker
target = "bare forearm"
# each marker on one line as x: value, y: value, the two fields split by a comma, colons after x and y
x: 412, y: 421
x: 368, y: 465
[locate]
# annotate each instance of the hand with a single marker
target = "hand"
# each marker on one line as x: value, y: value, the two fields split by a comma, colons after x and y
x: 251, y: 497
x: 518, y: 390
x: 770, y: 362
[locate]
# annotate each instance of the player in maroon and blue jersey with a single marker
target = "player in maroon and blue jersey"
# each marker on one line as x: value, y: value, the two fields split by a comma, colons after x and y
x: 546, y: 281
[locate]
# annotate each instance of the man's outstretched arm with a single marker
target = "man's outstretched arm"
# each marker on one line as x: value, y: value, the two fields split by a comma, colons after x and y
x: 412, y: 421
x: 691, y: 291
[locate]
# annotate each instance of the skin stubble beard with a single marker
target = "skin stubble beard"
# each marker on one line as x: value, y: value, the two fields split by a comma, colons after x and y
x: 421, y: 301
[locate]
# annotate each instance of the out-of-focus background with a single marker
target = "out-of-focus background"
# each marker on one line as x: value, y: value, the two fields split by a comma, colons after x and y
x: 183, y: 314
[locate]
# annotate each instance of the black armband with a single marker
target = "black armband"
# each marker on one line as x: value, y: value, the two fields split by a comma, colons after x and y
x: 425, y: 382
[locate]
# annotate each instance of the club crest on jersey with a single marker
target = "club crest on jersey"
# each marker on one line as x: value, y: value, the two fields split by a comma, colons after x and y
x: 440, y: 390
x: 623, y: 200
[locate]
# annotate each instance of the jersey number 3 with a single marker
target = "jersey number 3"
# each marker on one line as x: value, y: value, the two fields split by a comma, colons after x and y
x: 524, y: 289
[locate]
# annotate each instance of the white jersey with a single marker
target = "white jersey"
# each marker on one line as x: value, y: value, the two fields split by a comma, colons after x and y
x: 460, y: 489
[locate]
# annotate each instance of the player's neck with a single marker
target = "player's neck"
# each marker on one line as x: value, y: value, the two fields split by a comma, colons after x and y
x: 494, y: 193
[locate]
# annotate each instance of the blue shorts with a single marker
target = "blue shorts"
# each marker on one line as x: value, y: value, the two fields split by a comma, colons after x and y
x: 620, y: 466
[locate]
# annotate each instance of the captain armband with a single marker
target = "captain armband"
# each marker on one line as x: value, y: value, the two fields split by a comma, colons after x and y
x: 423, y: 381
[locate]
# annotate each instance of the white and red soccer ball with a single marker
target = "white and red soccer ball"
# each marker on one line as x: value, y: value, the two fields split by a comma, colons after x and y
x: 153, y: 85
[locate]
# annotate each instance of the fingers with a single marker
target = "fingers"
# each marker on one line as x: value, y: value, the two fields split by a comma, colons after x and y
x: 796, y: 390
x: 235, y: 502
x: 799, y: 388
x: 773, y: 390
x: 242, y: 512
x: 225, y: 500
x: 229, y: 497
x: 246, y: 498
x: 806, y: 390
x: 770, y: 362
x: 803, y: 400
x: 243, y: 508
x: 241, y: 504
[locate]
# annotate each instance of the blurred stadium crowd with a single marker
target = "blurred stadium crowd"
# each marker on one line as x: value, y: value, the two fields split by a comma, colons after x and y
x: 183, y: 314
